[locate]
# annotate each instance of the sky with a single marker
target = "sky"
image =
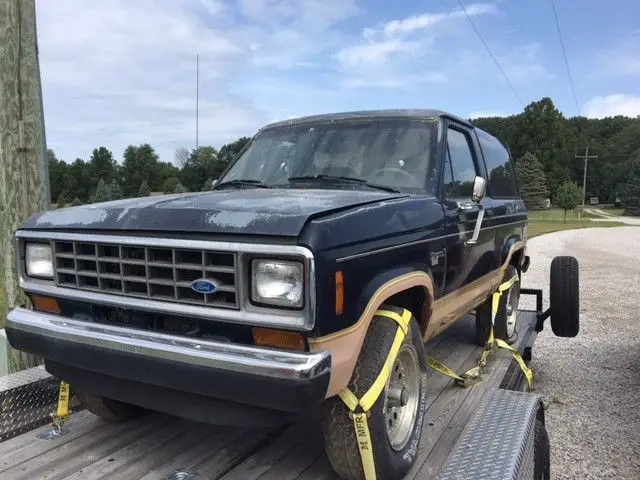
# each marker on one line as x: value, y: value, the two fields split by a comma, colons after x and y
x: 122, y: 72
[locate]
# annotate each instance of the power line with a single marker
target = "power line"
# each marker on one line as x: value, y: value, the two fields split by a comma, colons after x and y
x: 564, y: 54
x: 464, y: 9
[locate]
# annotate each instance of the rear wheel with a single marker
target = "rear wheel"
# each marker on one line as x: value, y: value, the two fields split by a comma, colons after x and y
x: 506, y: 317
x: 396, y: 419
x: 108, y: 409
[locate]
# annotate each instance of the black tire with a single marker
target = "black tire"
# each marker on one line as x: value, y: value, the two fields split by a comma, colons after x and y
x: 337, y: 426
x: 564, y: 296
x: 108, y: 409
x: 541, y: 453
x: 483, y: 314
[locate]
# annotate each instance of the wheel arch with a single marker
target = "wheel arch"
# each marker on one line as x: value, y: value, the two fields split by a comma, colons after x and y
x: 513, y: 252
x: 410, y: 288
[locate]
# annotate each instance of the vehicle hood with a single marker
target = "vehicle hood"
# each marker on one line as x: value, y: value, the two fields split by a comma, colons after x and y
x: 280, y: 212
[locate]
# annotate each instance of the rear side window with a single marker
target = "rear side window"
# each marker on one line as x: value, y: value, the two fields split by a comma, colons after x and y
x: 502, y: 178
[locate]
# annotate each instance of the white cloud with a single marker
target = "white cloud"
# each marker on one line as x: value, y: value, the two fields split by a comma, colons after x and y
x: 407, y: 35
x: 426, y: 20
x: 623, y: 59
x: 396, y: 82
x: 612, y: 105
x: 487, y: 114
x: 118, y: 72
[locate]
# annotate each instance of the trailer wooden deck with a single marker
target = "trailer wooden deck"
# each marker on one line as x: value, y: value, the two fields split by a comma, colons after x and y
x: 165, y: 447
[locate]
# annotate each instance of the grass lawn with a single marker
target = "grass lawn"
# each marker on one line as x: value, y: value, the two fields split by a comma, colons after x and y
x: 552, y: 220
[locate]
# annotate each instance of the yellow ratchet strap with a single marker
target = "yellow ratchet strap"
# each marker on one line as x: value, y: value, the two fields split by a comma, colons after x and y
x: 62, y: 411
x: 474, y: 375
x: 364, y: 403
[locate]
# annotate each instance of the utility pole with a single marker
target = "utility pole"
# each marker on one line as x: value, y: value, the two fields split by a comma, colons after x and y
x: 197, y: 101
x: 586, y: 158
x: 24, y: 183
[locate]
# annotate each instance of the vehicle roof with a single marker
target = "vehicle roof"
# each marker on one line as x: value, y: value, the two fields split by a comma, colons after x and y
x: 389, y: 113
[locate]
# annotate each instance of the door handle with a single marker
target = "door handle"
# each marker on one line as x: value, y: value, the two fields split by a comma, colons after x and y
x: 466, y: 205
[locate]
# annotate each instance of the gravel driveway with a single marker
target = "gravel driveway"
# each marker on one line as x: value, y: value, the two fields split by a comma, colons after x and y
x: 591, y: 383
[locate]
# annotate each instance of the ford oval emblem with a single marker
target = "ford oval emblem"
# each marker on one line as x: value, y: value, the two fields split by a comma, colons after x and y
x: 203, y: 286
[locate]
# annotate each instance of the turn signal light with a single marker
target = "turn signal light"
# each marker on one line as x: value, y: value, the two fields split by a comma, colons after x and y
x: 339, y: 292
x: 46, y: 304
x: 278, y: 338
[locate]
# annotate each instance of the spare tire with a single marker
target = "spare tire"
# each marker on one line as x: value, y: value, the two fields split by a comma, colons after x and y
x: 564, y: 297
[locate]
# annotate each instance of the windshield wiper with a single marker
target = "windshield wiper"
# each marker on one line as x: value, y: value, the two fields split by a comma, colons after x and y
x: 242, y: 182
x: 338, y: 178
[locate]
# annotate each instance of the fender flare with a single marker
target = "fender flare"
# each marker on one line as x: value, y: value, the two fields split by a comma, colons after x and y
x: 513, y: 244
x: 345, y: 345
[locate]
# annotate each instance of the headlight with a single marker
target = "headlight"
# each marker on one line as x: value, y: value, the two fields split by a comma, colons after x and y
x: 278, y: 283
x: 39, y: 260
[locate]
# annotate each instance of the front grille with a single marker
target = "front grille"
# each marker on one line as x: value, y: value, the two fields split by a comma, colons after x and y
x: 158, y: 273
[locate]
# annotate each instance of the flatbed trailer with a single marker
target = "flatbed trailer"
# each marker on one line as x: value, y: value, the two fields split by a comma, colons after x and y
x: 485, y: 429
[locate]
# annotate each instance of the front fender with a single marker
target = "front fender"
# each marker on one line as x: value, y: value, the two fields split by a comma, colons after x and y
x: 345, y: 345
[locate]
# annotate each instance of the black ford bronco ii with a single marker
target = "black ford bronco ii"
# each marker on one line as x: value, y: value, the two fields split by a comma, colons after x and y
x: 260, y: 300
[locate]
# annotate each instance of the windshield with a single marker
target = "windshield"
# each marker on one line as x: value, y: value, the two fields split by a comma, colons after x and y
x: 390, y: 152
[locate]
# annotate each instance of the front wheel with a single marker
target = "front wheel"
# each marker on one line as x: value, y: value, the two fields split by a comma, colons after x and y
x: 396, y: 419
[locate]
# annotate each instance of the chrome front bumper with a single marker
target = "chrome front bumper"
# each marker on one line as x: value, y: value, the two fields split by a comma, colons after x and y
x: 220, y: 356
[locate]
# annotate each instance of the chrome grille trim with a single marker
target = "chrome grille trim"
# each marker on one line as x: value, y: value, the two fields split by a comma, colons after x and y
x: 161, y: 273
x: 245, y: 314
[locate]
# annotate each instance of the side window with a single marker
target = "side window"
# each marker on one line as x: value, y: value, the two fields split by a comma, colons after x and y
x: 460, y: 170
x: 502, y: 178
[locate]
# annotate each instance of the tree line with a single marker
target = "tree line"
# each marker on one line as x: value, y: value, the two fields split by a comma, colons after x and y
x: 543, y: 143
x: 102, y: 178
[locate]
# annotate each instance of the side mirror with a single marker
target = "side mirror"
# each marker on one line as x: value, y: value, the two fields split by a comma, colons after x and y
x: 479, y: 189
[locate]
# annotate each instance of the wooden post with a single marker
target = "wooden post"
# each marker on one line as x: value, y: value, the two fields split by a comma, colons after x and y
x: 24, y: 183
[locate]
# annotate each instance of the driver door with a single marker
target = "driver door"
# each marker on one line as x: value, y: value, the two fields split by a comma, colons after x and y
x: 466, y: 263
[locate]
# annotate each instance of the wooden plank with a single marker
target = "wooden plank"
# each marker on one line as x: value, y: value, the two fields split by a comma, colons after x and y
x: 143, y: 448
x: 319, y: 470
x: 191, y: 452
x: 261, y: 461
x: 72, y: 456
x: 299, y: 458
x: 31, y: 445
x: 230, y: 456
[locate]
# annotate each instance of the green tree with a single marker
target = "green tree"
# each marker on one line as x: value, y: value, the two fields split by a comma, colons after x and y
x: 144, y: 190
x: 62, y: 200
x: 179, y: 188
x: 208, y: 185
x: 568, y: 197
x: 102, y: 165
x: 532, y: 181
x: 76, y: 201
x: 102, y: 193
x: 631, y: 192
x: 229, y: 152
x: 170, y: 184
x: 57, y: 171
x: 140, y: 163
x: 201, y: 165
x: 115, y: 190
